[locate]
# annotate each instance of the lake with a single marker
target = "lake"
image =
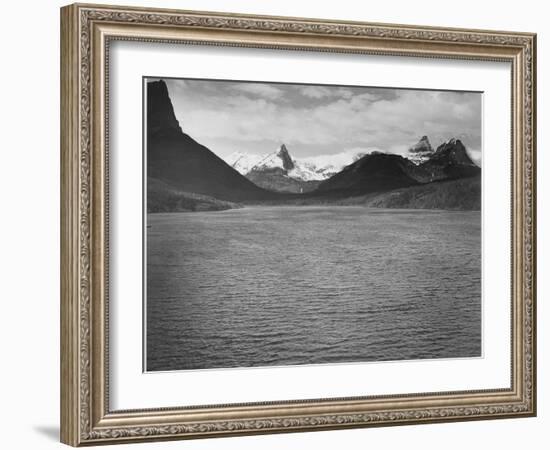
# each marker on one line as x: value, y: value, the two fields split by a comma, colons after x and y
x: 275, y: 286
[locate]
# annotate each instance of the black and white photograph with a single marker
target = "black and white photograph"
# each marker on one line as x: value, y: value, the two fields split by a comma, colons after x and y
x: 298, y: 224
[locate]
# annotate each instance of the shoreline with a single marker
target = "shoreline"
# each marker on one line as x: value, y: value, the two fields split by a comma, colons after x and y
x: 319, y: 206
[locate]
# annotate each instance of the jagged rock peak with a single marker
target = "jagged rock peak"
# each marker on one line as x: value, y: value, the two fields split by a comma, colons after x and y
x: 288, y: 164
x: 421, y: 151
x: 452, y: 145
x: 160, y: 111
x: 422, y: 146
x: 455, y: 151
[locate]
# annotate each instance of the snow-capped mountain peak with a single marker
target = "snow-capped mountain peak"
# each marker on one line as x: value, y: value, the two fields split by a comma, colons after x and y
x: 279, y: 159
x: 305, y: 169
x: 421, y: 151
x: 243, y: 162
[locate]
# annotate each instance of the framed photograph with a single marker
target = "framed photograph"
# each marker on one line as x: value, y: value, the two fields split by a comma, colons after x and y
x: 275, y: 224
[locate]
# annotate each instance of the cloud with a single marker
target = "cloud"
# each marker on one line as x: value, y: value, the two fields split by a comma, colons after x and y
x: 315, y: 92
x: 318, y: 120
x: 339, y: 159
x: 324, y: 92
x: 475, y: 155
x: 263, y: 90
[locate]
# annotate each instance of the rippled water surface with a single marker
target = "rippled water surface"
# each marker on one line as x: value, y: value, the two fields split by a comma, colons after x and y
x: 307, y: 285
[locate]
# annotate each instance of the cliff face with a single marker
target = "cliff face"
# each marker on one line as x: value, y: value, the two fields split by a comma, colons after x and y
x: 160, y: 112
x: 421, y: 151
x: 178, y: 161
x: 283, y: 154
x: 450, y: 161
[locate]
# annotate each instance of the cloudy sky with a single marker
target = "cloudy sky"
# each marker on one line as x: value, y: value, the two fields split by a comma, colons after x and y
x: 312, y: 120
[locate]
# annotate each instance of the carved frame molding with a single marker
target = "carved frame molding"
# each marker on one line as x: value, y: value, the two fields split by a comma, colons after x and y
x: 86, y: 31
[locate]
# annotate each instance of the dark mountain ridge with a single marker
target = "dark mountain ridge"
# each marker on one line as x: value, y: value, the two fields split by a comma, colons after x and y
x: 450, y: 161
x: 371, y: 173
x: 177, y: 160
x: 459, y: 194
x: 379, y: 172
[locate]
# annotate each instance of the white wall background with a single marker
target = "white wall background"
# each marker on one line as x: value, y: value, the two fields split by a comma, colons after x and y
x: 29, y: 237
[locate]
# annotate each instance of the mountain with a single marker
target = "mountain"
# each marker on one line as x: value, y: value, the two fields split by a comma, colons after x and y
x: 449, y: 161
x: 276, y: 171
x: 325, y: 166
x: 183, y: 175
x: 279, y: 159
x: 421, y: 151
x: 178, y: 161
x: 279, y: 171
x: 161, y: 197
x: 308, y: 168
x: 243, y: 162
x: 371, y: 173
x: 279, y: 181
x: 381, y: 172
x: 462, y: 194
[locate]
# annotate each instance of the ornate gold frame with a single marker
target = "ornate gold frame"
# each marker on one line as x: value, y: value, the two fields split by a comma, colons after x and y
x: 86, y: 31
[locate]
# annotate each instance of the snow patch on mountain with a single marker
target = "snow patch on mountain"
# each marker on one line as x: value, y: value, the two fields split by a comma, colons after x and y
x: 243, y: 162
x: 421, y: 151
x: 279, y: 159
